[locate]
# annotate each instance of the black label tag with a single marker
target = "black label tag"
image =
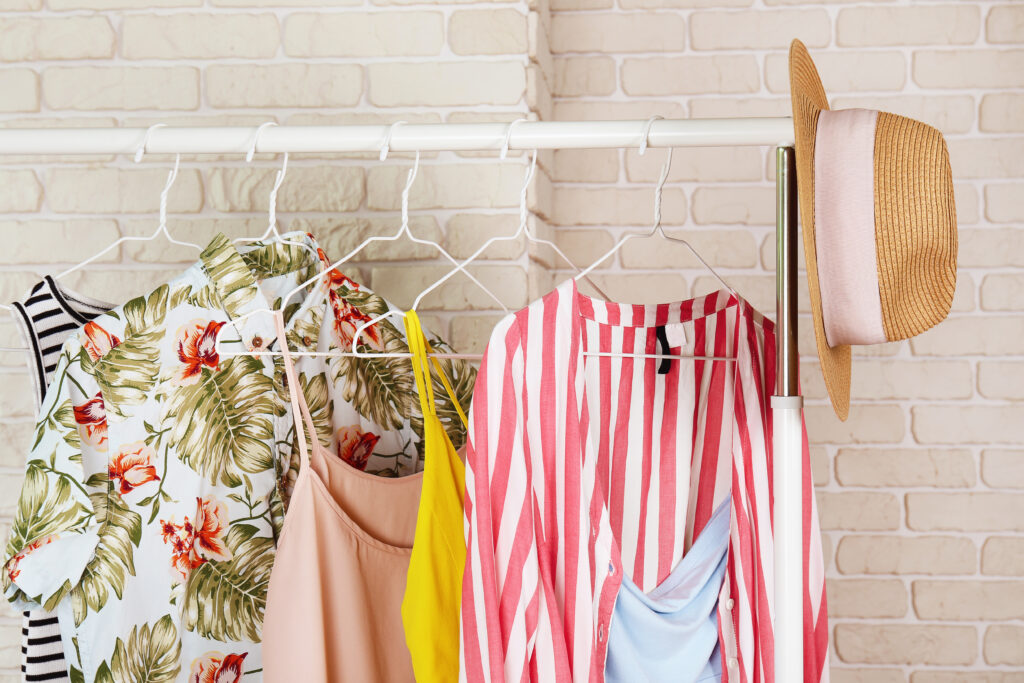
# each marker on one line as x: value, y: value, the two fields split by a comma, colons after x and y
x: 666, y: 363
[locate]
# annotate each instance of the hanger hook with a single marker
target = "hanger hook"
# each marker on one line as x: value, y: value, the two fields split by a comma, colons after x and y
x: 646, y: 135
x: 278, y: 180
x: 508, y: 137
x: 171, y: 177
x: 405, y: 192
x: 658, y: 190
x: 145, y: 140
x: 523, y: 212
x: 256, y: 140
x: 385, y: 147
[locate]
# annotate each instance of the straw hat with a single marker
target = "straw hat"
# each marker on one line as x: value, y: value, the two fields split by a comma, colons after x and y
x: 879, y: 224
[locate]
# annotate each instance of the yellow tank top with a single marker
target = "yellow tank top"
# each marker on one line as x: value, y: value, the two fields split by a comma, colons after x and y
x: 433, y: 592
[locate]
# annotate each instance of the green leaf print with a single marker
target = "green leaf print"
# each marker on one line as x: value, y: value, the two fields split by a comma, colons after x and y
x: 275, y: 259
x: 222, y: 424
x: 225, y: 600
x: 234, y: 280
x: 65, y: 417
x: 48, y: 504
x: 129, y: 371
x: 149, y: 655
x: 120, y: 533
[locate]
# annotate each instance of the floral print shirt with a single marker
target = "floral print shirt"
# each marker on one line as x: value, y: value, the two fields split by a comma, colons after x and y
x: 161, y: 467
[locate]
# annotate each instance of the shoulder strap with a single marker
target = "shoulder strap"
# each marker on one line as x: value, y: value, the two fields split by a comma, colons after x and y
x: 420, y: 348
x: 299, y: 407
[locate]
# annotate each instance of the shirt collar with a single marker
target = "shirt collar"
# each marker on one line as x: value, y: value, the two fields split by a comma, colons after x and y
x: 235, y: 278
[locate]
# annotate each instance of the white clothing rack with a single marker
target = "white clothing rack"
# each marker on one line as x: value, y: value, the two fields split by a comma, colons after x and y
x: 776, y: 132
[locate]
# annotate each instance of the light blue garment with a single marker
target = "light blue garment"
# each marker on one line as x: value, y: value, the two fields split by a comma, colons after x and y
x: 671, y: 633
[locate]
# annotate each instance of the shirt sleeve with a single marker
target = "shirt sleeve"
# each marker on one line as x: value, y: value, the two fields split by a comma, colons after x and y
x: 500, y: 582
x: 55, y: 528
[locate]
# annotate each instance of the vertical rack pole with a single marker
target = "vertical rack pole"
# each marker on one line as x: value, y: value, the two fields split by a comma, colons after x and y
x: 787, y: 433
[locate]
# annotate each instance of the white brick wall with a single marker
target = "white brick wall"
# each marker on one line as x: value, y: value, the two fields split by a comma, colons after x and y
x: 920, y: 491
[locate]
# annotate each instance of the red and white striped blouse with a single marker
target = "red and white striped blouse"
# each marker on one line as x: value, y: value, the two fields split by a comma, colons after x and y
x: 582, y: 467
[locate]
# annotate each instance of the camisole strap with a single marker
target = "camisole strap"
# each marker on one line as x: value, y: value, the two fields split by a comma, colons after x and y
x: 299, y: 406
x: 420, y: 348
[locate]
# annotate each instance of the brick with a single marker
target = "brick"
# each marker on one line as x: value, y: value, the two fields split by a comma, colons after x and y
x: 906, y: 555
x: 720, y: 74
x: 1003, y: 468
x: 932, y: 26
x: 538, y: 93
x: 583, y: 247
x: 965, y: 511
x: 10, y: 650
x: 966, y: 204
x: 17, y: 386
x: 577, y: 76
x: 698, y: 164
x: 1003, y: 556
x: 1001, y: 380
x: 22, y: 6
x: 972, y: 335
x: 26, y: 39
x: 906, y: 644
x: 991, y: 247
x: 1004, y: 203
x: 114, y: 190
x: 682, y: 4
x: 905, y: 467
x: 948, y: 113
x: 735, y: 204
x: 417, y: 2
x: 193, y: 229
x: 1004, y: 644
x: 969, y: 68
x: 286, y: 3
x: 564, y: 5
x: 1005, y: 24
x: 601, y: 110
x: 586, y: 165
x: 14, y: 285
x: 758, y: 290
x: 866, y: 424
x: 640, y: 289
x: 726, y: 248
x: 968, y: 423
x: 487, y: 32
x: 21, y: 90
x: 402, y: 284
x: 399, y: 84
x: 615, y: 206
x: 964, y: 296
x: 969, y: 600
x: 57, y: 241
x: 866, y: 676
x: 470, y: 333
x: 732, y: 107
x: 819, y: 466
x: 858, y: 511
x: 305, y: 188
x: 283, y: 85
x: 18, y: 438
x: 87, y: 88
x: 364, y: 34
x: 20, y: 190
x: 1002, y: 113
x: 199, y: 36
x: 467, y: 232
x: 447, y: 186
x: 966, y: 677
x: 614, y: 32
x: 872, y: 598
x: 846, y: 71
x: 987, y: 157
x: 119, y: 285
x: 102, y: 5
x: 758, y: 29
x: 901, y: 379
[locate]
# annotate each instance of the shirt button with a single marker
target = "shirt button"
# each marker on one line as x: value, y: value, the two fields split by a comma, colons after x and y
x: 307, y: 340
x: 257, y: 342
x: 733, y: 663
x: 611, y: 569
x: 600, y: 633
x: 730, y: 603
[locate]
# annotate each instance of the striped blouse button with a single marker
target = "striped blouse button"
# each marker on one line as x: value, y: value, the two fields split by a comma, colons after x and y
x: 600, y: 633
x: 611, y: 569
x: 733, y: 663
x: 730, y: 603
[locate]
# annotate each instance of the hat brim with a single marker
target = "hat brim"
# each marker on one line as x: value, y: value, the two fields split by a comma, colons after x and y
x: 808, y: 98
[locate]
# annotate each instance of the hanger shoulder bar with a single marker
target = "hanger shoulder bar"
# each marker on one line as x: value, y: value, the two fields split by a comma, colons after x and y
x: 423, y: 137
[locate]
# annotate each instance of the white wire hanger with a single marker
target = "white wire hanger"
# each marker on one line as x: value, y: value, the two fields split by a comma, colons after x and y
x: 161, y: 228
x: 271, y: 232
x: 403, y: 230
x: 657, y: 230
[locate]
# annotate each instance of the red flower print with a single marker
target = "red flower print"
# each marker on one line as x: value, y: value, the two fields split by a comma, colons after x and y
x: 91, y: 417
x: 98, y: 341
x: 12, y: 566
x: 213, y: 667
x: 211, y: 524
x: 348, y: 319
x: 335, y: 278
x: 196, y: 350
x: 133, y: 466
x: 355, y: 447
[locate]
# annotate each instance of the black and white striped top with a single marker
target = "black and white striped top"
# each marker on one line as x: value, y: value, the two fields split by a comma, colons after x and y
x: 47, y: 317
